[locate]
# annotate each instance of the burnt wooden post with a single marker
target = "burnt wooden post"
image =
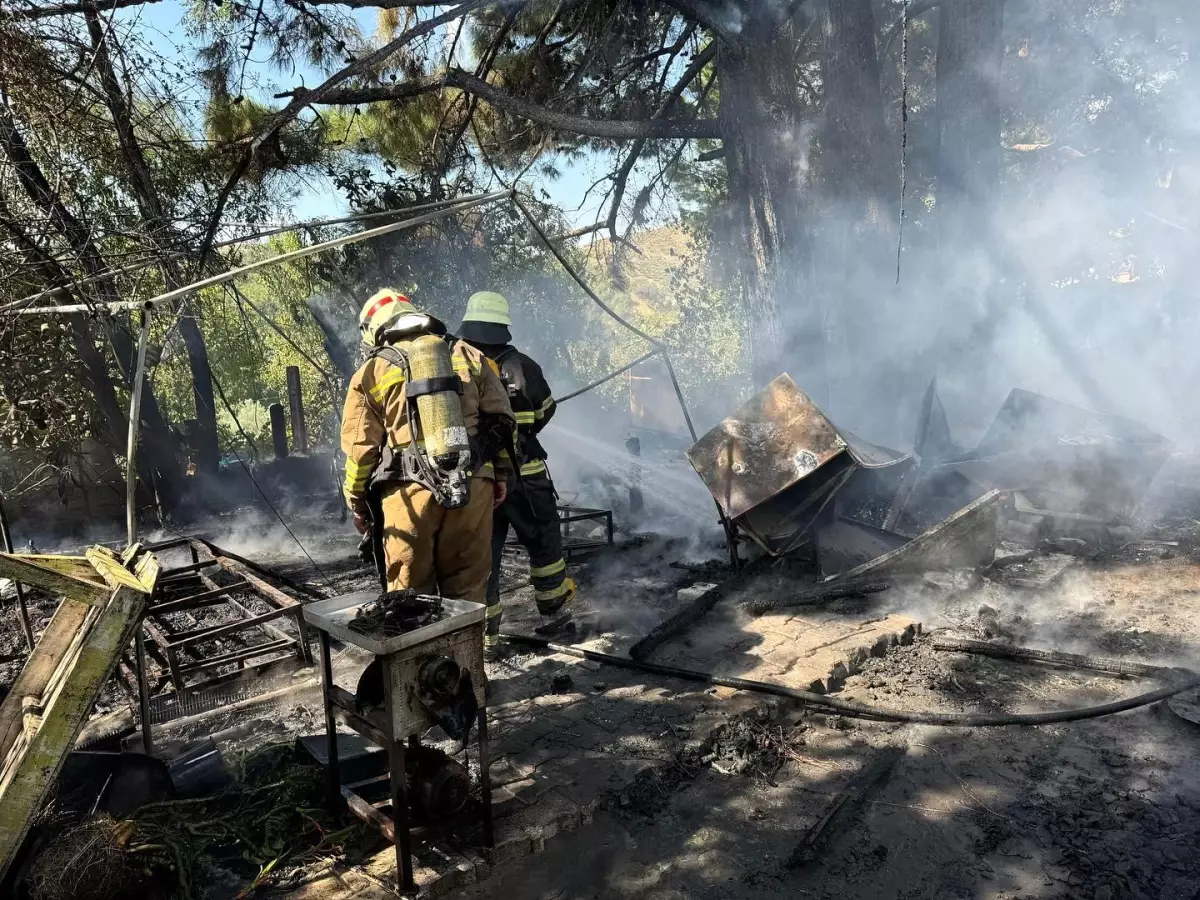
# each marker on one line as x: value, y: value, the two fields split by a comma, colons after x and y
x: 634, y: 446
x: 7, y: 544
x: 296, y: 408
x: 279, y: 436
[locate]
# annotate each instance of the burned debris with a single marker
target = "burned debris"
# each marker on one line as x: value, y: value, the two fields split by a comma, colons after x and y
x: 795, y: 485
x: 394, y: 729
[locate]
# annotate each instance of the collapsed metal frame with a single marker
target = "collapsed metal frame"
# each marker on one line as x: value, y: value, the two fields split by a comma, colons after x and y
x: 573, y: 545
x: 187, y: 588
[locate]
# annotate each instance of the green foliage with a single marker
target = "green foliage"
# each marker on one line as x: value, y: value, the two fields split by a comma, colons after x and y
x: 249, y: 359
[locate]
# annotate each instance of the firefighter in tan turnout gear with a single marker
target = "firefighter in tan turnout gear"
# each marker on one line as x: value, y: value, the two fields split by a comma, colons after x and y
x: 531, y: 507
x: 434, y: 485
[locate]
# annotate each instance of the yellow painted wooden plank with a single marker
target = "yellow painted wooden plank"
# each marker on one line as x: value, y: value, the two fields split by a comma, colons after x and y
x: 66, y: 565
x: 30, y: 569
x: 110, y: 567
x: 30, y: 778
x: 66, y: 622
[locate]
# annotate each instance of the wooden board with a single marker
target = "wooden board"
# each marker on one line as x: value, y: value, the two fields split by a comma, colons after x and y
x: 43, y: 715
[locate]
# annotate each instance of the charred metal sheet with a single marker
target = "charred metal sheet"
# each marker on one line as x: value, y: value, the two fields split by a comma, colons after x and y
x: 965, y: 540
x: 872, y: 456
x: 782, y: 524
x: 844, y: 544
x: 933, y: 442
x: 778, y: 462
x: 1065, y: 457
x: 774, y: 440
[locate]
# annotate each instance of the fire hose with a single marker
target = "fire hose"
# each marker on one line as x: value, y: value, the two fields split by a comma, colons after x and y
x: 1189, y: 681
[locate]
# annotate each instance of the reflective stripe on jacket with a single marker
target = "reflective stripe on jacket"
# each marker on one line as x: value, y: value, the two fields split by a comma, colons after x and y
x: 375, y: 414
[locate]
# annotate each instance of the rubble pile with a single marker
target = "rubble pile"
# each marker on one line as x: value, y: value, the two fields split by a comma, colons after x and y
x: 1046, y: 475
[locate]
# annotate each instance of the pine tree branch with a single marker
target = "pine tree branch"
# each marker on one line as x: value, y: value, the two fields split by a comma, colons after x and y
x: 611, y: 129
x: 67, y: 9
x: 701, y: 59
x: 300, y: 100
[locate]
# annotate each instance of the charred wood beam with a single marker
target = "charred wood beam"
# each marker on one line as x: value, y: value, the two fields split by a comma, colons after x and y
x: 837, y: 591
x: 612, y: 129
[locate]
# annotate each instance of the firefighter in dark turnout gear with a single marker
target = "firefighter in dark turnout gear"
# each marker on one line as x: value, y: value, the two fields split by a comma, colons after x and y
x: 531, y: 507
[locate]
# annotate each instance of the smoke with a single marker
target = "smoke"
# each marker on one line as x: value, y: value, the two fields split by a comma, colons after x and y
x: 1067, y: 274
x: 592, y: 467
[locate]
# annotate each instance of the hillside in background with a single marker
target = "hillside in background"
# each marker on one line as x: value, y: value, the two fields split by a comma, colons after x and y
x: 642, y: 280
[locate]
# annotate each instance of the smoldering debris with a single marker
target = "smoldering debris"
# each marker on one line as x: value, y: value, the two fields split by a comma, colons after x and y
x: 795, y: 484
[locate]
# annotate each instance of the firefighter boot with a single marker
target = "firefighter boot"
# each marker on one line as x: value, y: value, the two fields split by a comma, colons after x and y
x: 556, y: 617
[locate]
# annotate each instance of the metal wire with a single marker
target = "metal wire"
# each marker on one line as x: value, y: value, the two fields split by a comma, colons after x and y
x: 221, y: 278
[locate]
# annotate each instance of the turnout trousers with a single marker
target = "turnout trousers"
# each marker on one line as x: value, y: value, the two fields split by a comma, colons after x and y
x: 431, y: 549
x: 532, y: 511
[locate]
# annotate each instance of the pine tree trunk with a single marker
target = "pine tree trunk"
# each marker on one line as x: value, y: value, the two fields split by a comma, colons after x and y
x: 766, y: 156
x: 859, y: 189
x: 970, y: 51
x: 858, y: 159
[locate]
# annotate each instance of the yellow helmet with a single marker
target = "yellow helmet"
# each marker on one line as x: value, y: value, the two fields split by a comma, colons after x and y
x: 381, y: 310
x: 487, y: 319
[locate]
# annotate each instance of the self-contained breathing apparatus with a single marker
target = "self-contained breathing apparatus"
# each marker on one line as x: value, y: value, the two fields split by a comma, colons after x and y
x: 438, y: 455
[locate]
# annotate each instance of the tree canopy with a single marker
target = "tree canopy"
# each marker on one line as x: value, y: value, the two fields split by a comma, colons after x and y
x: 981, y: 152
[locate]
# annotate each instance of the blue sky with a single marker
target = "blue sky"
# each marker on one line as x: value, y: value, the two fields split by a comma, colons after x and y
x: 161, y: 24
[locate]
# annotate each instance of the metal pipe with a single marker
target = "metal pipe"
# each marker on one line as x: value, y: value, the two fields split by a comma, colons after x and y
x: 188, y: 289
x: 610, y: 376
x: 282, y: 229
x: 562, y: 261
x: 135, y: 413
x: 687, y: 417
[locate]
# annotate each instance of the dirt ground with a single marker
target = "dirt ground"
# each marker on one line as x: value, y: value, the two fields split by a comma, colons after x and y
x: 1096, y: 810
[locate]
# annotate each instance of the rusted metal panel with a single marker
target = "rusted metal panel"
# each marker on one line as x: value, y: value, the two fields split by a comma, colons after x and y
x: 774, y: 440
x: 965, y: 540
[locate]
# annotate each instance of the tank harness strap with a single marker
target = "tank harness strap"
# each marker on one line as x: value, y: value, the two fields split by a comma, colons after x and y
x: 437, y: 385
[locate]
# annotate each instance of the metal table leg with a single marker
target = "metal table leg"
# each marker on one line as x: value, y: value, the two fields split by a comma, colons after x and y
x: 331, y: 746
x: 398, y: 775
x: 485, y: 781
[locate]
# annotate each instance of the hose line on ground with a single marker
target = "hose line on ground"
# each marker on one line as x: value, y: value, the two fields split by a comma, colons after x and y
x: 854, y: 708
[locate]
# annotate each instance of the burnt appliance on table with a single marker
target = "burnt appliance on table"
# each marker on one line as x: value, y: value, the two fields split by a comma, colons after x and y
x: 427, y: 670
